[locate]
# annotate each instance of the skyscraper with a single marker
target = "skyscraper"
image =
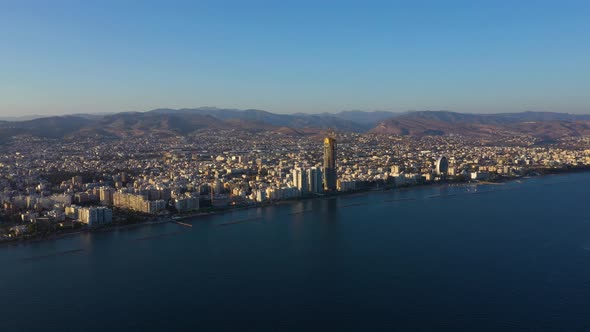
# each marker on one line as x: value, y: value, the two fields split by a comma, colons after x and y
x: 106, y: 195
x: 314, y: 178
x: 442, y: 166
x: 300, y: 180
x: 329, y: 168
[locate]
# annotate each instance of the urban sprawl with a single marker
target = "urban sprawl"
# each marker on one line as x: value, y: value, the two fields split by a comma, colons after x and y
x: 50, y: 186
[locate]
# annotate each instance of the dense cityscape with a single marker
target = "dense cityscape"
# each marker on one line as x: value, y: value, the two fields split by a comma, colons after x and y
x: 294, y: 166
x: 51, y: 186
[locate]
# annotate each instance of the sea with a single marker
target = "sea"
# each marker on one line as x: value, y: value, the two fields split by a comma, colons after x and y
x: 476, y: 257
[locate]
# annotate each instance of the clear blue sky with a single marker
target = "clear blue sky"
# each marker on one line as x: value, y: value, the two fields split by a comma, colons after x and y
x: 61, y: 57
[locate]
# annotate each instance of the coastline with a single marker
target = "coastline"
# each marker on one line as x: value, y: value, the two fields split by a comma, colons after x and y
x: 221, y: 211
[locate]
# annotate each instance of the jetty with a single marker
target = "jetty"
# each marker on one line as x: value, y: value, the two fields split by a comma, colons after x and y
x: 181, y: 223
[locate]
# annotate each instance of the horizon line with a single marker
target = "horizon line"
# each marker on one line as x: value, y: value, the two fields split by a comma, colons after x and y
x: 15, y: 118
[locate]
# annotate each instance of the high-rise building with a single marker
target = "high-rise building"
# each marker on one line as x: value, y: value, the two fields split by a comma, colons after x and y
x: 442, y: 166
x: 187, y: 203
x: 137, y: 203
x: 300, y: 180
x: 95, y: 216
x: 106, y: 196
x: 329, y: 168
x: 314, y: 178
x: 260, y: 195
x: 217, y: 187
x: 72, y: 211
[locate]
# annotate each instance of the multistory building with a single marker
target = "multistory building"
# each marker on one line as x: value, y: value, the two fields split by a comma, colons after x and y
x: 300, y: 180
x: 329, y: 169
x: 95, y: 216
x: 314, y: 178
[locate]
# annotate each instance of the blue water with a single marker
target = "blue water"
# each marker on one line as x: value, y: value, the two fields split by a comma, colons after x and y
x: 511, y: 257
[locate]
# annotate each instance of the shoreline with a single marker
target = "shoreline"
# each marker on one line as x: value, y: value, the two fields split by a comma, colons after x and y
x: 167, y: 219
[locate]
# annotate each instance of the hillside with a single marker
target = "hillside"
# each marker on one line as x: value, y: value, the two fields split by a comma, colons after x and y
x: 538, y: 124
x: 167, y: 122
x: 298, y: 120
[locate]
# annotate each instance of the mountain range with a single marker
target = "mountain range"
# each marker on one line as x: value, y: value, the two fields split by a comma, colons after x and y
x: 168, y: 122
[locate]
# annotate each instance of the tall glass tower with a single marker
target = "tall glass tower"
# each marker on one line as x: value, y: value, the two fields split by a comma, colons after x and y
x: 329, y: 168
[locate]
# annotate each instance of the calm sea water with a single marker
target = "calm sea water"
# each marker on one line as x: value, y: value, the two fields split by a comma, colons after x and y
x: 511, y: 257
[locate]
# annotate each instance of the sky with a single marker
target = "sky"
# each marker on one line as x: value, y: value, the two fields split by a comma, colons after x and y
x: 62, y: 57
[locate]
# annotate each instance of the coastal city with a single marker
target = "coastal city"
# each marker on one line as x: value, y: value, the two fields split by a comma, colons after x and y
x: 51, y: 186
x: 294, y: 166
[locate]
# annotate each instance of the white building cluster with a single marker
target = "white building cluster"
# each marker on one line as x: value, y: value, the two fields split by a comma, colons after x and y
x: 92, y: 216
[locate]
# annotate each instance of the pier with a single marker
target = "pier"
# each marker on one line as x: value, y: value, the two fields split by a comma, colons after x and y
x: 181, y: 223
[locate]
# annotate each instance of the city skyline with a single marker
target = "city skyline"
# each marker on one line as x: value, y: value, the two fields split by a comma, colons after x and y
x: 68, y: 57
x: 294, y: 165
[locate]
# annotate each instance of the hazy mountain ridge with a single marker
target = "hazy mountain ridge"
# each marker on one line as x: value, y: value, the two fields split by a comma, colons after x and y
x: 168, y: 122
x: 297, y: 120
x: 539, y: 124
x: 496, y: 118
x: 37, y: 116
